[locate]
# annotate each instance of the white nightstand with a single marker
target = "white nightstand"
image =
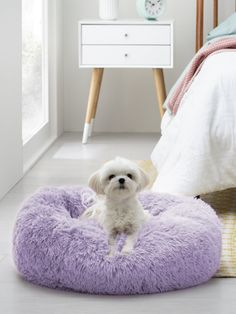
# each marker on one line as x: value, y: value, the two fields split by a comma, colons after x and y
x: 124, y: 44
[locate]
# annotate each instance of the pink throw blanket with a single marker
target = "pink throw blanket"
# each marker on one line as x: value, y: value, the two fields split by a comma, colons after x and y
x: 216, y: 47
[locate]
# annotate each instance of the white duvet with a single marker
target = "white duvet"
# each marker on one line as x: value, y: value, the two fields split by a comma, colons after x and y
x: 197, y: 151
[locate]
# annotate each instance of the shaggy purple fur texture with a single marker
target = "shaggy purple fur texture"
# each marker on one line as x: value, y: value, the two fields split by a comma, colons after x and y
x: 179, y: 248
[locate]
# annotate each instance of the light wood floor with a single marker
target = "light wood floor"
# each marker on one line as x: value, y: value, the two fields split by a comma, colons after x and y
x: 68, y: 162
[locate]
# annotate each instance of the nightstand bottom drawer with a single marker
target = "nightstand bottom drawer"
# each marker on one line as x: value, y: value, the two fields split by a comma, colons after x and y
x: 118, y: 56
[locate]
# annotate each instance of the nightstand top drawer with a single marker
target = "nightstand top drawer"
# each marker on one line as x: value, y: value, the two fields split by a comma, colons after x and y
x: 117, y: 34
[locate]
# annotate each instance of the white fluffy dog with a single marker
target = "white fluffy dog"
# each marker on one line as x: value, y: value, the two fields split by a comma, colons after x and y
x: 119, y: 210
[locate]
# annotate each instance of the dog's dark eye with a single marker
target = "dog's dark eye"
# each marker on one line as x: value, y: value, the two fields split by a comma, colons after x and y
x: 130, y: 176
x: 111, y: 177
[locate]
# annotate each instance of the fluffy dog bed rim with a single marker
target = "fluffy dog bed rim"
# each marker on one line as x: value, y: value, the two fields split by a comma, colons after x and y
x: 179, y: 248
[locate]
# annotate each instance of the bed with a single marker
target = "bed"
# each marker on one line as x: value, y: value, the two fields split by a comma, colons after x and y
x: 214, y: 180
x: 196, y: 153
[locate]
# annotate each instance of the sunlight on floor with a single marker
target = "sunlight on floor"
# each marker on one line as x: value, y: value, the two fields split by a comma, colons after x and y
x: 103, y: 147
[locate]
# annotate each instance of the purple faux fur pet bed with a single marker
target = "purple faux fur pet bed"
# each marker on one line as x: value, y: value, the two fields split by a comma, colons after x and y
x: 179, y: 248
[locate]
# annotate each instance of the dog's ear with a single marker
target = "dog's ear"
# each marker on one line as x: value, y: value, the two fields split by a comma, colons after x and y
x: 144, y: 179
x: 95, y: 183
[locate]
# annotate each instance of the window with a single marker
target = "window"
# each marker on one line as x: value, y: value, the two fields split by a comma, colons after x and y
x: 34, y: 67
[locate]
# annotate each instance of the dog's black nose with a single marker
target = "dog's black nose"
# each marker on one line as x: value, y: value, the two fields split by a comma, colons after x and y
x: 122, y: 180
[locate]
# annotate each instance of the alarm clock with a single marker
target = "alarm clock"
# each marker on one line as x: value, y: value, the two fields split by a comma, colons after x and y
x: 151, y: 9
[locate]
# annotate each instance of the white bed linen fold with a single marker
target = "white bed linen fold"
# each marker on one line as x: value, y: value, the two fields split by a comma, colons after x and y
x: 197, y: 151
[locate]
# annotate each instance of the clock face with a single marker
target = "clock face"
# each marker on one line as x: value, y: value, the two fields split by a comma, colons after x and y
x: 154, y: 8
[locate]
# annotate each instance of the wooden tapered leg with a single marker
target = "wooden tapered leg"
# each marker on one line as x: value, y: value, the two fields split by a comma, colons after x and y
x: 96, y: 101
x: 95, y: 87
x: 160, y: 89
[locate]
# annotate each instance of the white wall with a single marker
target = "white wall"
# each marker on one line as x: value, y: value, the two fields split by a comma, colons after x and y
x: 127, y: 100
x: 10, y: 94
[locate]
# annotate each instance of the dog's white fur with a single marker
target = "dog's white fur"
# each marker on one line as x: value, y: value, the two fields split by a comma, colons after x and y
x: 119, y: 210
